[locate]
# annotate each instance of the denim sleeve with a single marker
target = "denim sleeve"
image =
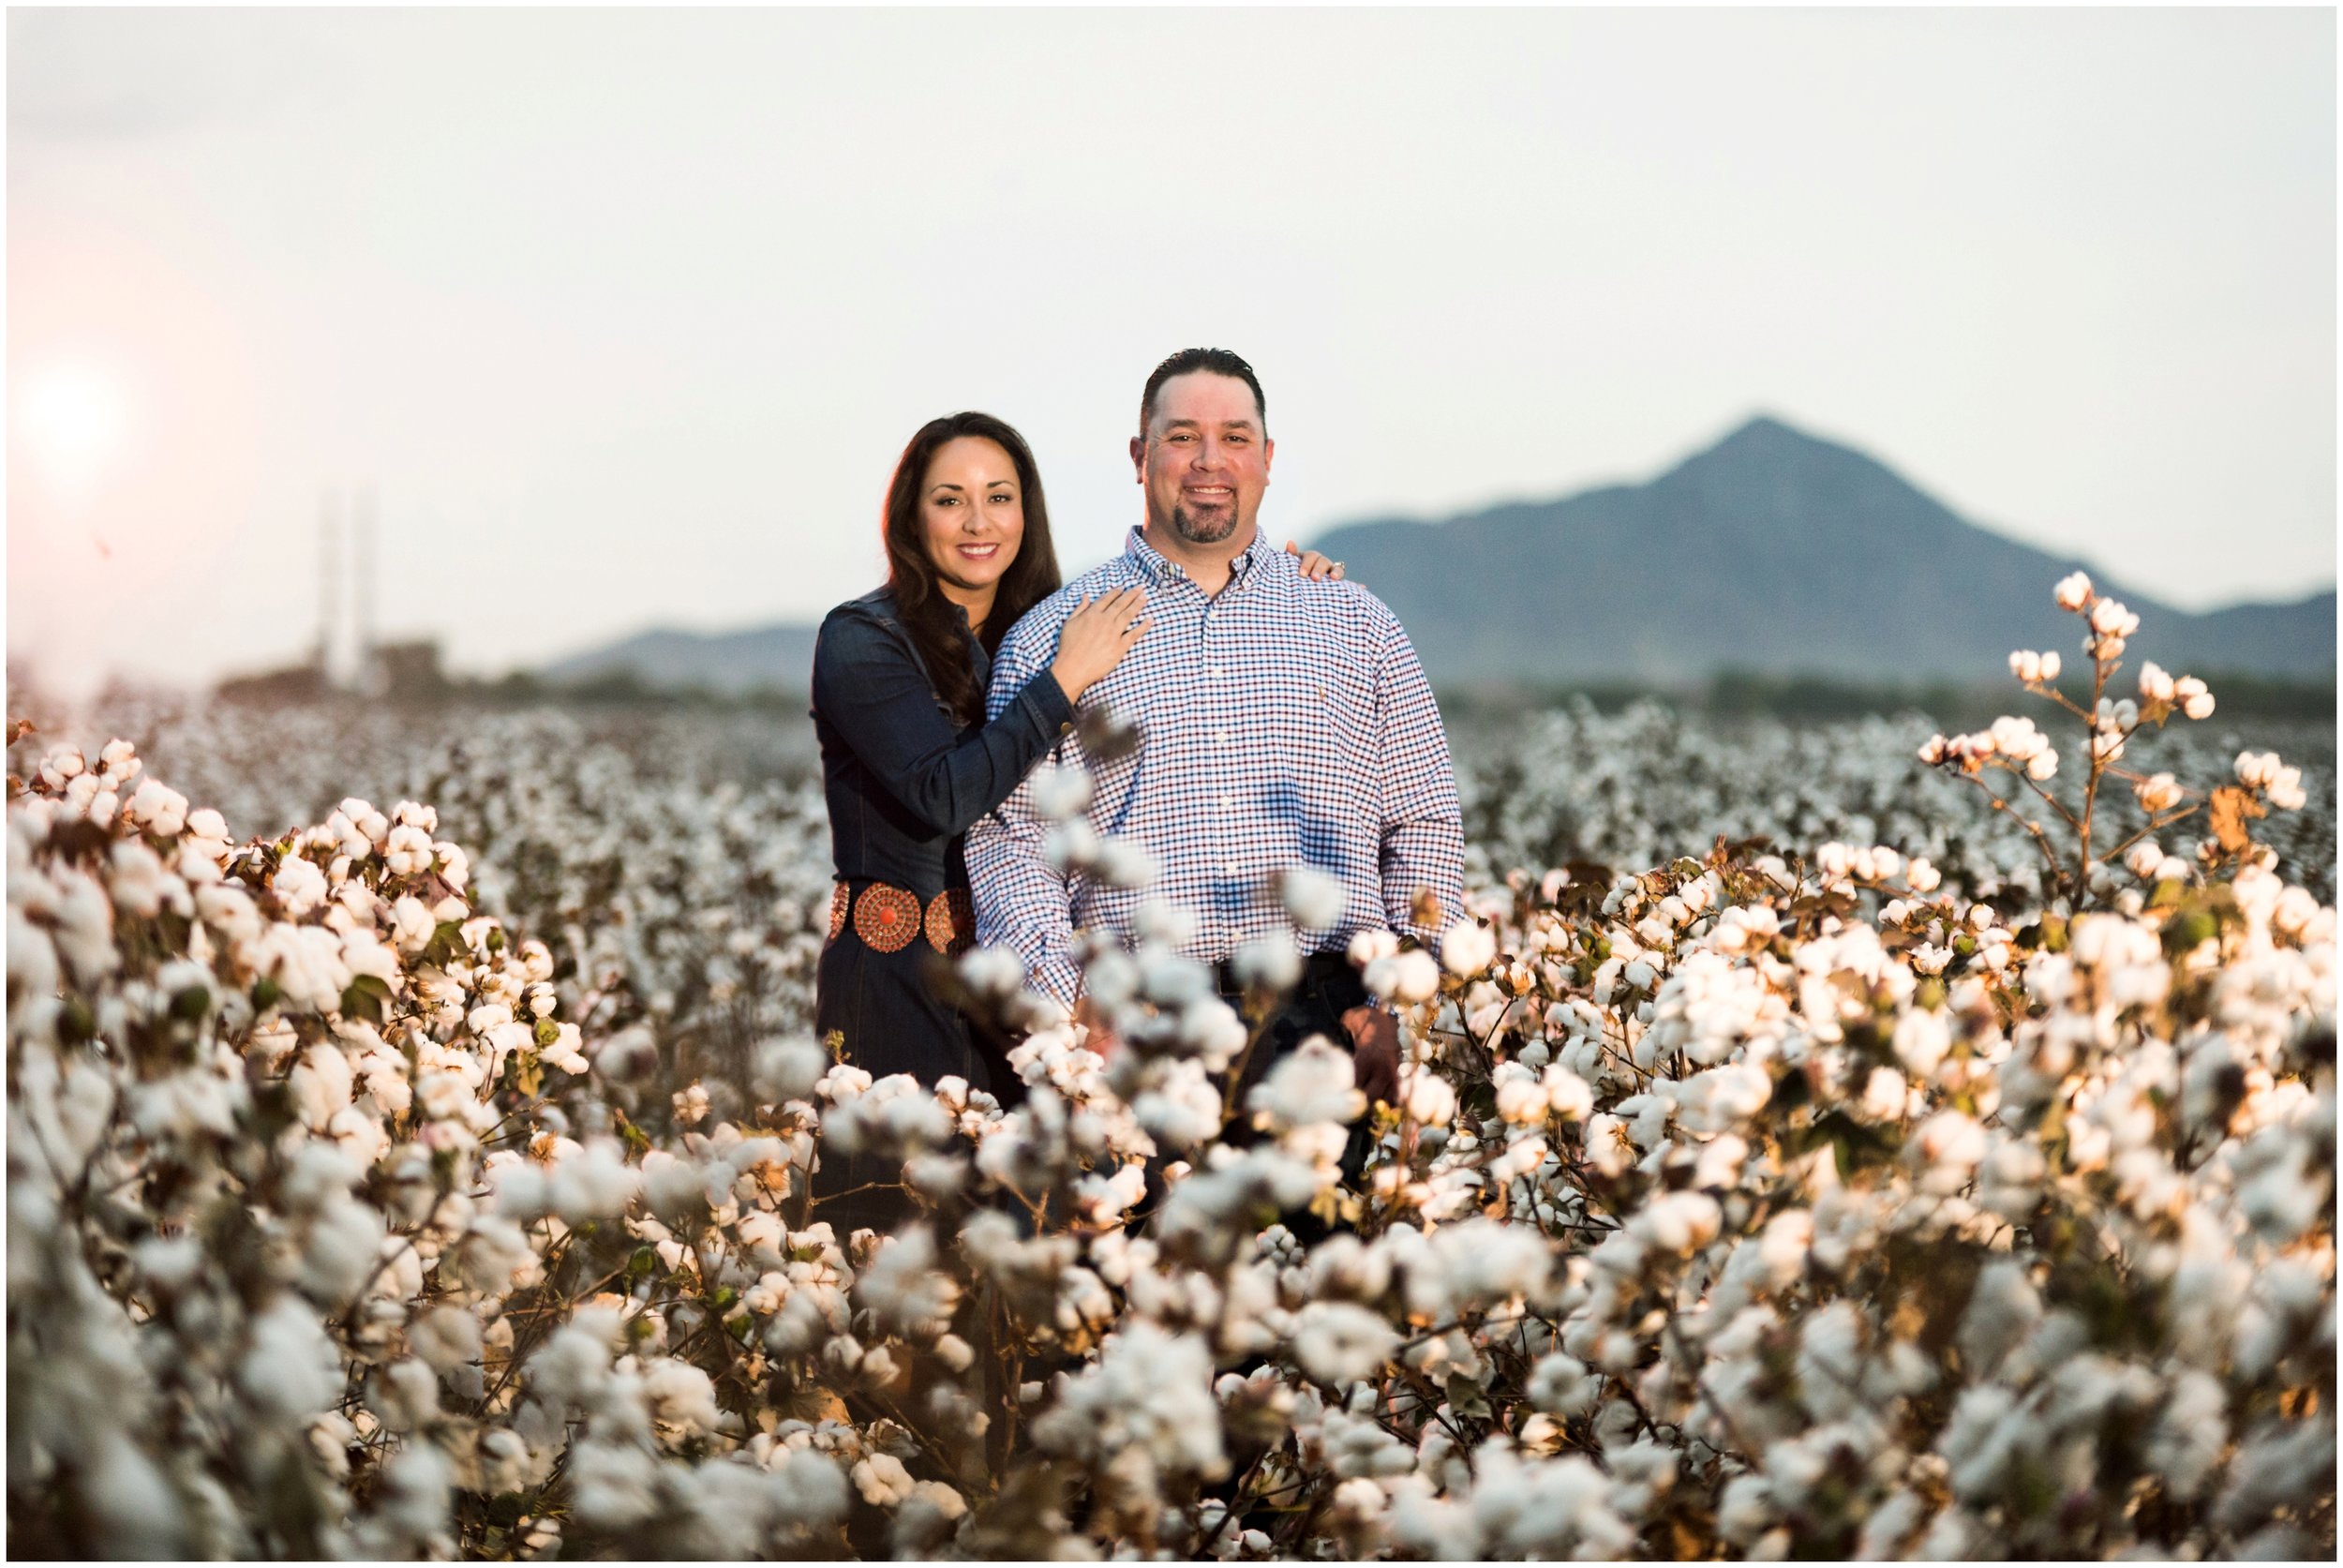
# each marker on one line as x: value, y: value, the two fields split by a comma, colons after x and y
x: 867, y: 683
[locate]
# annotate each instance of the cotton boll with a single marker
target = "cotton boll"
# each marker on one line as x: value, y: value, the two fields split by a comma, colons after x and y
x: 786, y: 1069
x: 1120, y: 862
x: 903, y: 1287
x: 679, y: 1397
x: 406, y: 1394
x: 993, y: 971
x: 1413, y: 977
x: 612, y: 1486
x: 1311, y: 899
x: 1338, y: 1342
x: 1170, y: 980
x: 1212, y: 1029
x: 1312, y: 1084
x: 1058, y: 793
x: 321, y: 1085
x: 1466, y: 949
x: 1268, y: 962
x: 445, y: 1338
x: 1561, y: 1385
x: 883, y: 1480
x: 299, y: 886
x: 1183, y: 1109
x: 342, y: 1245
x: 1426, y: 1096
x: 129, y: 1500
x: 288, y: 1369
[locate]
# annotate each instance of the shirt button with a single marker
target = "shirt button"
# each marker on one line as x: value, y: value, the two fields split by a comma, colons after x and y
x: 1220, y: 735
x: 1227, y: 800
x: 1228, y: 870
x: 1215, y: 672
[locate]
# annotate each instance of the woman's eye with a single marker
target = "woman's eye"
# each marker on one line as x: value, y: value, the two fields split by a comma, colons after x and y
x: 1002, y: 500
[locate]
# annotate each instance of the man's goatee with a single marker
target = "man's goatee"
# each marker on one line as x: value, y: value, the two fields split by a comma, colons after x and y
x: 1197, y: 532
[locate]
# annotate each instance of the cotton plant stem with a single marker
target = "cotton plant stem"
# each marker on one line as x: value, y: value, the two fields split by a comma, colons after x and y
x: 2050, y: 854
x: 2155, y: 826
x: 2101, y: 669
x: 2052, y: 801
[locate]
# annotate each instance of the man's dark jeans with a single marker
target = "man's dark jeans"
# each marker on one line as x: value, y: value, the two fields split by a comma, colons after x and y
x: 1329, y: 987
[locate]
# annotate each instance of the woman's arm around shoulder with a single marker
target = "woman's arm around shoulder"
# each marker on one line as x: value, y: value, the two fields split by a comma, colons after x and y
x: 868, y: 686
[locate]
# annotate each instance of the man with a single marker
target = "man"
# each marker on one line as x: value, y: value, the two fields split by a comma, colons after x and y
x: 1282, y: 723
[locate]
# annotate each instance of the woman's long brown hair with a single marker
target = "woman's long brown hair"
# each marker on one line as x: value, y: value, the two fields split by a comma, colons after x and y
x: 934, y: 622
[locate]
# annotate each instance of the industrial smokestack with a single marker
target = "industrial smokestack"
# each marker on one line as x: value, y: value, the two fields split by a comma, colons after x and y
x: 369, y: 679
x: 329, y: 583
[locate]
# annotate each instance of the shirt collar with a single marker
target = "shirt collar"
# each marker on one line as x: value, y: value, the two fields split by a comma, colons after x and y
x: 1161, y: 568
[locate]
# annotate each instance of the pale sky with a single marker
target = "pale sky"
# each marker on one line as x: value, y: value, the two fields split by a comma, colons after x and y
x: 626, y: 314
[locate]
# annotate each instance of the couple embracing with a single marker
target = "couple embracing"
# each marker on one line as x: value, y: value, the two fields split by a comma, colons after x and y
x: 1283, y: 722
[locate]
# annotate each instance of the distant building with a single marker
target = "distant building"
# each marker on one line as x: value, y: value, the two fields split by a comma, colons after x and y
x: 298, y: 684
x: 410, y: 671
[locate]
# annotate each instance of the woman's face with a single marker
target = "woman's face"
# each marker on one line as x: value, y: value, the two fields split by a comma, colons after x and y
x: 974, y: 513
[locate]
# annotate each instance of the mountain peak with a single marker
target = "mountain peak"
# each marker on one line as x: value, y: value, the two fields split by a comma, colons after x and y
x: 1764, y: 436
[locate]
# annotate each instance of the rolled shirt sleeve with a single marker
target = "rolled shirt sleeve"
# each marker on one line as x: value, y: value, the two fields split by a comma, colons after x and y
x: 1422, y: 824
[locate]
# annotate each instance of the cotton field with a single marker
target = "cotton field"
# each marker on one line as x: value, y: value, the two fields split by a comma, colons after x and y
x: 1806, y: 1147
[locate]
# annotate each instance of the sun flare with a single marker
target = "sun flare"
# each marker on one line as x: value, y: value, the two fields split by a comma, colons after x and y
x: 73, y: 426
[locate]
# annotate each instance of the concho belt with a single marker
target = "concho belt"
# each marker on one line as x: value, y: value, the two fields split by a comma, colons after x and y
x: 887, y: 917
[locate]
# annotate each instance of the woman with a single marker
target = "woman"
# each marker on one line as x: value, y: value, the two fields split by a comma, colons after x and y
x: 908, y: 761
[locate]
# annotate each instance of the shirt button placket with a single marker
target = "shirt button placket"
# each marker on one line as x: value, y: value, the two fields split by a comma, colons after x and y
x: 1215, y: 698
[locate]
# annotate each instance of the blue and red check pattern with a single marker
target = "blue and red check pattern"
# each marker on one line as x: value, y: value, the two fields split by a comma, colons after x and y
x: 1283, y: 723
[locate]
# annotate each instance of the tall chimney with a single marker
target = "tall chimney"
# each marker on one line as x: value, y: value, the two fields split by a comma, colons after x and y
x: 329, y: 582
x: 361, y: 586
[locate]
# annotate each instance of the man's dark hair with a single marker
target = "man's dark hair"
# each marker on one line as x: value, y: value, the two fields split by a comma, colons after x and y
x: 1219, y: 362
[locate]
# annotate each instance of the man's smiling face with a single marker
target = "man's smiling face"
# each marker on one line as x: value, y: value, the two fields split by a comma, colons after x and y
x: 1204, y: 459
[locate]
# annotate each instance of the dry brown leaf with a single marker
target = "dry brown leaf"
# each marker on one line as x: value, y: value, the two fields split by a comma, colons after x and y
x: 2232, y: 808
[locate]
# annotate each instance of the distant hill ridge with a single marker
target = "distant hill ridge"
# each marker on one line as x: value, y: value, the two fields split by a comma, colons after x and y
x: 1771, y: 552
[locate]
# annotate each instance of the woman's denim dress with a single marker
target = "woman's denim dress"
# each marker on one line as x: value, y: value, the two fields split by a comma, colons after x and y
x: 905, y: 780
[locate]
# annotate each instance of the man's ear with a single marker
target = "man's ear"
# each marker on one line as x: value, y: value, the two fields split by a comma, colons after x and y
x: 1268, y: 454
x: 1139, y: 458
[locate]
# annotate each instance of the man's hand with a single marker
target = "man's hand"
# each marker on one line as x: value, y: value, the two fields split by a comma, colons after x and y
x: 1101, y: 1039
x: 1374, y: 1053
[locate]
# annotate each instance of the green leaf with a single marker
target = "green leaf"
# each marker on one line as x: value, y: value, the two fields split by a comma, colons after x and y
x: 447, y: 943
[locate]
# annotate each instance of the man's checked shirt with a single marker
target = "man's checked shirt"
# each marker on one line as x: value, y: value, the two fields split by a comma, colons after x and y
x: 1283, y: 723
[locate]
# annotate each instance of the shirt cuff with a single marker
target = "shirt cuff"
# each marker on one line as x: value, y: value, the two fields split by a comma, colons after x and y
x: 1049, y: 703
